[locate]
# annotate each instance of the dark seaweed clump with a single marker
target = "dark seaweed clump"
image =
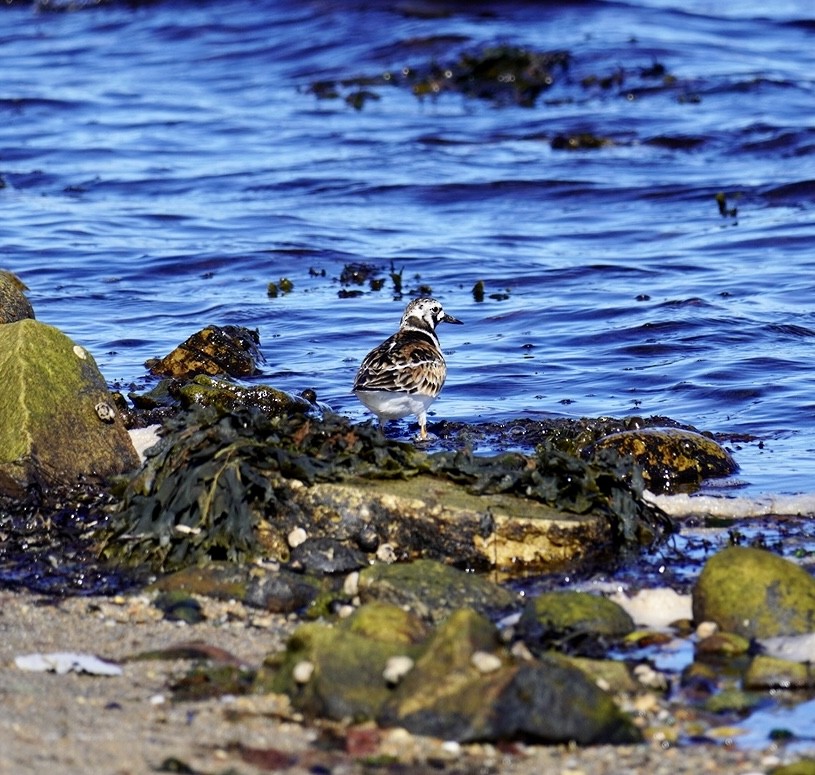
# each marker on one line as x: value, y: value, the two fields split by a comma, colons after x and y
x: 218, y: 483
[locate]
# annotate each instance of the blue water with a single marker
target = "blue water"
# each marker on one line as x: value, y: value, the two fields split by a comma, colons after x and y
x: 163, y: 163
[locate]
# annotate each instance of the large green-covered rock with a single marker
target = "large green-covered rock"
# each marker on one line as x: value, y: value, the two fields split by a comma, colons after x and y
x: 755, y: 593
x: 432, y: 589
x: 458, y: 683
x: 57, y: 419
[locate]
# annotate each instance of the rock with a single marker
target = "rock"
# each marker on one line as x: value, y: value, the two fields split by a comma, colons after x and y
x: 671, y: 459
x: 235, y: 484
x: 226, y: 396
x: 388, y: 623
x: 57, y: 421
x: 577, y: 620
x: 723, y: 644
x: 755, y: 593
x: 432, y: 590
x: 230, y: 350
x: 772, y: 673
x: 276, y: 590
x: 14, y: 305
x: 446, y: 696
x: 347, y: 680
x: 326, y: 555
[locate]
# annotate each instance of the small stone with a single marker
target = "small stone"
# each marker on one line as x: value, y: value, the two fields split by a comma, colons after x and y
x: 303, y: 671
x: 350, y: 586
x: 386, y: 553
x: 297, y: 536
x: 80, y: 352
x: 651, y: 678
x: 397, y: 668
x: 485, y: 662
x: 706, y: 629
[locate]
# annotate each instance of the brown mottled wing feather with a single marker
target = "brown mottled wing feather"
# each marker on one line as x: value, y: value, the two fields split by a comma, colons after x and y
x: 408, y: 361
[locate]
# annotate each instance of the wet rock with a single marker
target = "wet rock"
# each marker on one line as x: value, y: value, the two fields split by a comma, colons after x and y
x: 229, y: 350
x: 447, y: 696
x: 326, y: 555
x: 444, y: 694
x: 235, y: 484
x: 227, y: 396
x: 276, y: 590
x: 578, y: 621
x: 178, y: 606
x: 57, y: 421
x: 772, y: 673
x: 432, y: 590
x: 755, y: 593
x: 14, y: 305
x: 671, y: 459
x: 722, y: 644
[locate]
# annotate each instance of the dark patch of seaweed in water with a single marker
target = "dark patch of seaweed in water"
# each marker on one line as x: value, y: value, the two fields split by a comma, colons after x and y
x: 219, y: 482
x: 47, y: 543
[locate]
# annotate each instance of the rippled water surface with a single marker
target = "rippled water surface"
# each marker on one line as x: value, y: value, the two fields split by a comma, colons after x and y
x: 164, y: 162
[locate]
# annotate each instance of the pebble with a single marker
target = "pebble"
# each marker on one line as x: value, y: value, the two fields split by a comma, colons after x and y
x: 296, y: 537
x: 706, y: 630
x: 303, y: 671
x: 350, y: 586
x: 485, y: 662
x: 396, y: 669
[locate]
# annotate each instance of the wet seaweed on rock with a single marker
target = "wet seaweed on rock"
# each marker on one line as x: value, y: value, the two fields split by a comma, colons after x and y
x: 220, y: 486
x: 608, y: 484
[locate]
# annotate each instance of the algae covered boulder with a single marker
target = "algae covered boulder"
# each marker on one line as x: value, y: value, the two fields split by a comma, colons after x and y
x: 576, y: 619
x: 458, y: 682
x: 755, y: 593
x: 57, y: 420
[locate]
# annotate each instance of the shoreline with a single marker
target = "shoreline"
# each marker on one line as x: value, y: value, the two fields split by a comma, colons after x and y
x: 98, y: 725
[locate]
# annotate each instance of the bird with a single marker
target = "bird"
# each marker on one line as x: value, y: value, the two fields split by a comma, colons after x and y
x: 405, y: 374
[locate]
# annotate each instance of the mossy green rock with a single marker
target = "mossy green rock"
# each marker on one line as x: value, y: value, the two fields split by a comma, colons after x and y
x: 463, y: 685
x: 447, y: 696
x: 347, y: 681
x: 553, y: 615
x: 57, y: 418
x: 803, y: 767
x: 432, y: 589
x: 773, y: 673
x: 755, y: 593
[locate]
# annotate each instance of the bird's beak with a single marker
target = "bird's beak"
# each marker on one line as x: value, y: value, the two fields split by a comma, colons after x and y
x: 450, y: 319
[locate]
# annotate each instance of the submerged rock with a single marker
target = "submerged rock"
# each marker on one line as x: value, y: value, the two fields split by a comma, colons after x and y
x: 58, y: 424
x: 755, y: 593
x: 671, y: 459
x: 230, y: 350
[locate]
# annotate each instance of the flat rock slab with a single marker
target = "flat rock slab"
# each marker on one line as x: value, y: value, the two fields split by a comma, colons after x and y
x: 425, y: 516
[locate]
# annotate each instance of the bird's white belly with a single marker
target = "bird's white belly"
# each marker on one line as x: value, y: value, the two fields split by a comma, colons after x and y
x: 391, y: 405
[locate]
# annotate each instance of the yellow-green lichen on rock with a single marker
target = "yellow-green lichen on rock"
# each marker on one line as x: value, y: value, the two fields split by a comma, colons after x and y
x: 755, y: 593
x: 58, y: 423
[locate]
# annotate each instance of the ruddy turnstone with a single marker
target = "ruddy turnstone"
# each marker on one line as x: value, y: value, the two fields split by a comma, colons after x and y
x: 405, y: 374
